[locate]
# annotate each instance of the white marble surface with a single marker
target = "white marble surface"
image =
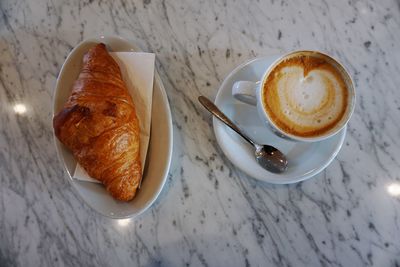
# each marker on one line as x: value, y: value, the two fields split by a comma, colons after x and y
x: 209, y: 213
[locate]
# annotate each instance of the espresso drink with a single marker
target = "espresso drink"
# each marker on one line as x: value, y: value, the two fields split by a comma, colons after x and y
x: 306, y: 95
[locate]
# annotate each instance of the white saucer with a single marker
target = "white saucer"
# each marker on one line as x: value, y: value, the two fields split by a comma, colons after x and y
x: 305, y: 159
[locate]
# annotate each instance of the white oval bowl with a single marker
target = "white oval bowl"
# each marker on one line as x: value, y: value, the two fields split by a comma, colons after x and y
x: 160, y: 146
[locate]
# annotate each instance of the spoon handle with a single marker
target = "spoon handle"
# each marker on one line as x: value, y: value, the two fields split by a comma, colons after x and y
x: 222, y: 117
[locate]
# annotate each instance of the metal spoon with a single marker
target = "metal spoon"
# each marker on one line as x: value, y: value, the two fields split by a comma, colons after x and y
x: 267, y: 156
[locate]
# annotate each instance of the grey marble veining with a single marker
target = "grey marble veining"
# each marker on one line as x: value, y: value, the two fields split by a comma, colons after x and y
x: 209, y: 213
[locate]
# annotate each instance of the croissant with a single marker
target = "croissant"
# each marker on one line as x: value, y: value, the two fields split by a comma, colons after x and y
x: 99, y: 125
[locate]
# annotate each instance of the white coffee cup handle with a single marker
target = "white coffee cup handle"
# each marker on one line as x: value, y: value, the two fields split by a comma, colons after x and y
x: 245, y: 91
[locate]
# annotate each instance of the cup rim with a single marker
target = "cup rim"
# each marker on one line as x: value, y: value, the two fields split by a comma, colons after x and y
x: 351, y: 89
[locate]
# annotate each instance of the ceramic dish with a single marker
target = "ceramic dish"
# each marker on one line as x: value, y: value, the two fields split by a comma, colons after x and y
x: 160, y: 147
x: 305, y: 159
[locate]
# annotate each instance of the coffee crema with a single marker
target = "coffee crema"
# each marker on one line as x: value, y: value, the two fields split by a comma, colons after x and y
x: 305, y: 95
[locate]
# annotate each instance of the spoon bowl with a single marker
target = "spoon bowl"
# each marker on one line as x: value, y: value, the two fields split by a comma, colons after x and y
x: 271, y: 158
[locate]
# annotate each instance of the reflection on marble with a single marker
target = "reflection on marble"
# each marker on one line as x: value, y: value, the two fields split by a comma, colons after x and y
x: 19, y: 109
x: 209, y: 213
x: 394, y: 189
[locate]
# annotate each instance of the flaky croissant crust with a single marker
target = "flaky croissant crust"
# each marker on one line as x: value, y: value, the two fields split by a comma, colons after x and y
x: 99, y: 125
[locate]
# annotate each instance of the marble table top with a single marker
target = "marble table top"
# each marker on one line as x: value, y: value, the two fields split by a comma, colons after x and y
x: 209, y: 213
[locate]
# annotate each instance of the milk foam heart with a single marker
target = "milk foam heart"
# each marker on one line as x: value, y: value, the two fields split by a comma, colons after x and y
x: 305, y: 96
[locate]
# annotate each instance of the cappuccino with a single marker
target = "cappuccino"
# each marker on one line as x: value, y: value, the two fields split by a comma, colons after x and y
x: 306, y: 94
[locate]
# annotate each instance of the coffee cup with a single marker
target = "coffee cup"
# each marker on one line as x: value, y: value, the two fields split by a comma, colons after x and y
x: 303, y: 96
